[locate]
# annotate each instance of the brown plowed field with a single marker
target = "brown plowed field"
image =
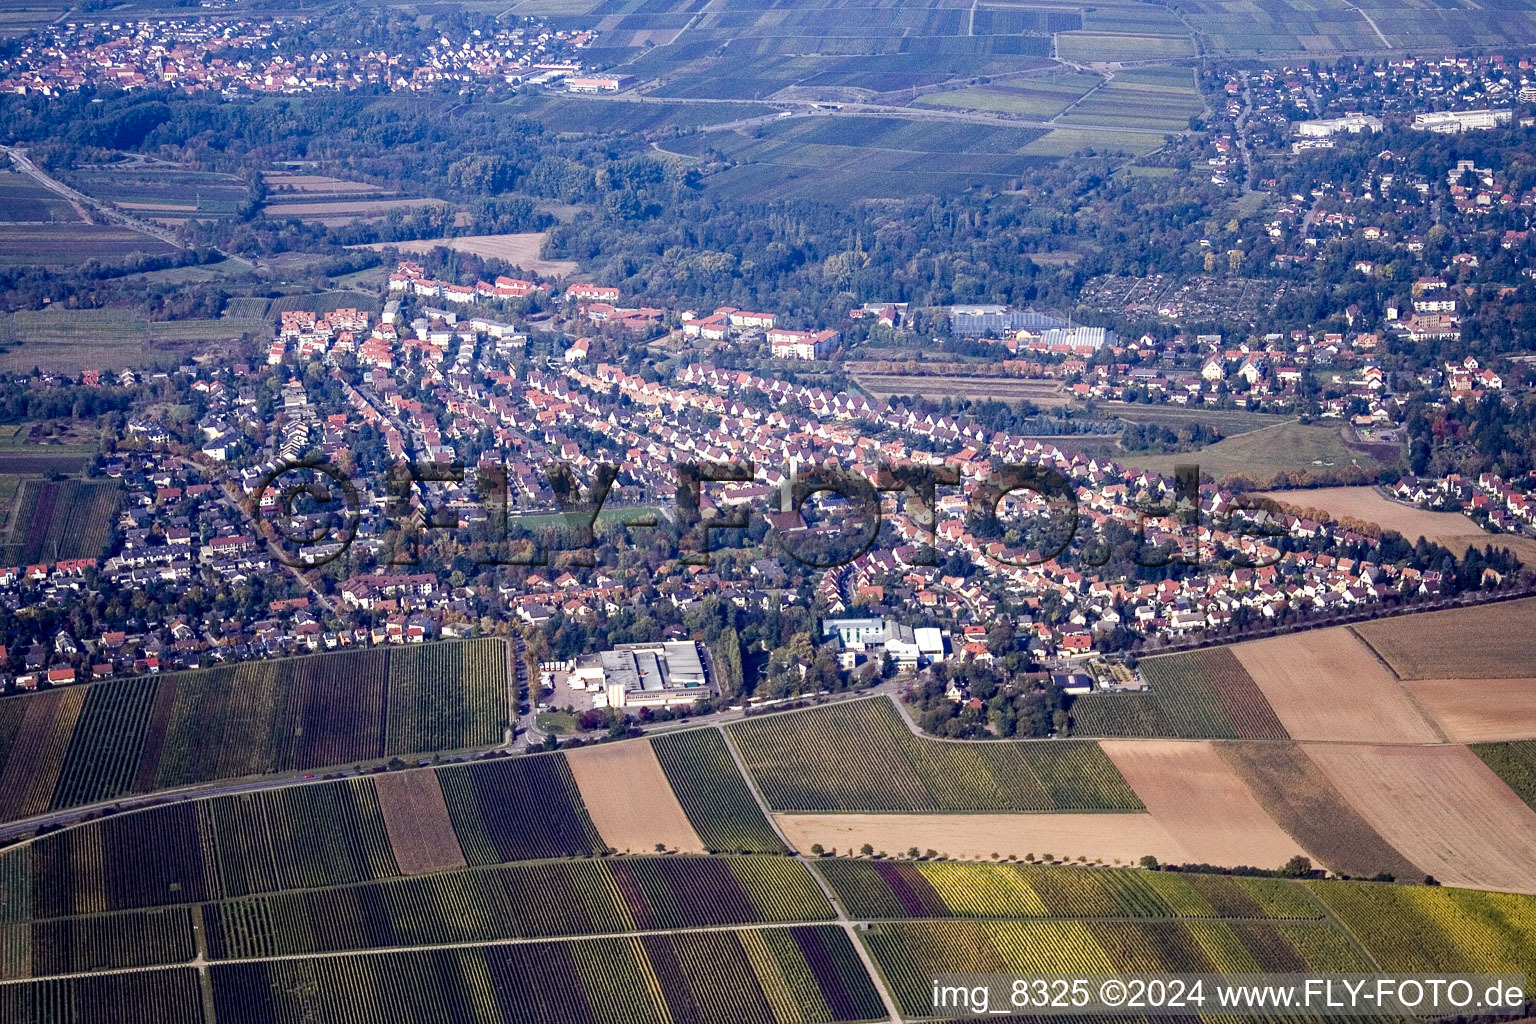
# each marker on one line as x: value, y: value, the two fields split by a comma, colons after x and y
x: 1325, y: 684
x: 1192, y: 792
x: 1442, y: 807
x: 630, y: 800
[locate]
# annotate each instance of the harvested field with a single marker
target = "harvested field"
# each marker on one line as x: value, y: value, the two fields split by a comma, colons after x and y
x: 416, y: 818
x: 315, y: 184
x: 1042, y: 393
x: 1368, y: 505
x: 1111, y: 838
x: 1442, y: 807
x: 1191, y: 791
x: 352, y: 207
x: 1301, y: 800
x: 1492, y: 641
x: 630, y: 800
x: 520, y: 250
x: 1479, y: 710
x: 1325, y: 684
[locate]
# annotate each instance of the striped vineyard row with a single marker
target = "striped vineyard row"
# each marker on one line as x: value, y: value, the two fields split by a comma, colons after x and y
x: 873, y: 890
x: 521, y: 808
x: 1199, y: 695
x: 807, y: 975
x: 545, y: 900
x: 713, y: 793
x: 206, y: 849
x: 141, y: 938
x: 170, y: 996
x: 911, y: 954
x: 237, y: 721
x: 860, y: 756
x: 446, y: 697
x: 39, y: 742
x: 1410, y: 929
x: 215, y: 848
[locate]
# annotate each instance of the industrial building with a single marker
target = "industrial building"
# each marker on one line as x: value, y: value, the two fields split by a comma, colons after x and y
x: 659, y: 674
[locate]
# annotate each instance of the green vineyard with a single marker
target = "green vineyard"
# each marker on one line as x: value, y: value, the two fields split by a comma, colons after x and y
x: 217, y: 848
x: 73, y: 945
x: 873, y: 890
x: 806, y: 975
x: 1200, y: 695
x: 713, y: 794
x: 103, y: 741
x: 860, y: 756
x: 1426, y: 928
x: 911, y: 954
x: 1515, y: 763
x: 544, y: 900
x: 165, y: 997
x: 61, y: 519
x: 594, y: 940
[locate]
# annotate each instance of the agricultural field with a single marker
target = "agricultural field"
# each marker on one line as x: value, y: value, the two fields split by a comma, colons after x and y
x: 167, y: 997
x: 1442, y: 807
x: 524, y: 808
x: 1478, y: 710
x: 61, y: 519
x: 71, y: 244
x: 1304, y: 676
x: 1190, y: 790
x: 578, y: 115
x: 250, y: 719
x: 1094, y: 838
x: 1201, y: 695
x: 64, y: 340
x: 877, y: 889
x: 331, y: 201
x: 860, y: 756
x: 37, y: 731
x: 630, y: 801
x: 24, y: 201
x: 265, y: 841
x: 1267, y: 455
x: 149, y: 938
x: 1043, y: 97
x: 446, y: 696
x: 1298, y: 796
x: 162, y: 191
x: 416, y: 818
x: 544, y: 900
x: 803, y: 975
x: 1090, y: 47
x: 1515, y: 763
x: 1229, y: 422
x: 321, y: 302
x: 713, y: 793
x: 520, y: 250
x: 1430, y: 928
x: 1165, y: 105
x: 1046, y: 394
x: 1368, y: 505
x: 1493, y: 641
x: 910, y: 954
x: 1065, y: 142
x: 853, y: 155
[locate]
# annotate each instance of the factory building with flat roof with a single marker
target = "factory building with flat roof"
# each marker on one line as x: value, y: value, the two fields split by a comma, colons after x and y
x: 660, y: 674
